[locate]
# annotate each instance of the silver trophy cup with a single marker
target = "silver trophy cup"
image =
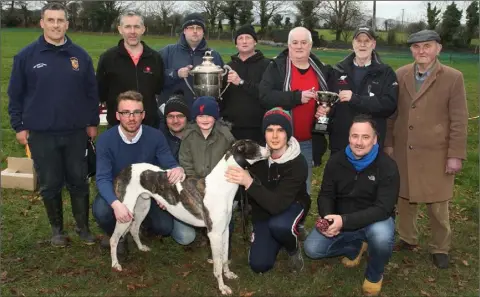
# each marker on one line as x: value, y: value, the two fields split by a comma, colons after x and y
x: 326, y: 99
x: 207, y: 78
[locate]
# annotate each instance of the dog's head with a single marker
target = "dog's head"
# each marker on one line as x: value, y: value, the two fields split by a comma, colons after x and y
x: 246, y: 152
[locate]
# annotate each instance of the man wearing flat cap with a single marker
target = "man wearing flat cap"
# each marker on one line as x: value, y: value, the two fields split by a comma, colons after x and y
x: 241, y: 103
x: 365, y: 85
x: 427, y: 137
x: 181, y: 57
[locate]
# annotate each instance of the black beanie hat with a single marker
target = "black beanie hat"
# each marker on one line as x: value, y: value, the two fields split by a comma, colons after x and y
x: 194, y: 19
x: 278, y: 116
x: 246, y: 29
x: 176, y: 103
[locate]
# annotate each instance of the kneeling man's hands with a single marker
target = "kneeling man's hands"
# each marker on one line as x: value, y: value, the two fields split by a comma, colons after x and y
x: 122, y: 214
x: 238, y: 176
x: 176, y: 175
x: 335, y: 227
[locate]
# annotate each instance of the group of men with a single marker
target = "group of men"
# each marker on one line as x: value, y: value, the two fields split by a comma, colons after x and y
x: 397, y: 139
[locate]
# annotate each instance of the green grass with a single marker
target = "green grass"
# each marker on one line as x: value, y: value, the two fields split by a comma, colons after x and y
x: 30, y: 266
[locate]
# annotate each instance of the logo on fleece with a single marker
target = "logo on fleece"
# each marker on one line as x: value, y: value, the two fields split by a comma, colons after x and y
x: 75, y: 64
x: 201, y: 108
x: 147, y: 70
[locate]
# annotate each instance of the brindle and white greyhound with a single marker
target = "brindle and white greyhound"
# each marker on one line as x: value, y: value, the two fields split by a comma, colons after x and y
x: 199, y: 202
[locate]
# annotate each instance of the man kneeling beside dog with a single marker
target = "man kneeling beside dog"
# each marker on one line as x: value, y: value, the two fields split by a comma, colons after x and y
x: 358, y: 193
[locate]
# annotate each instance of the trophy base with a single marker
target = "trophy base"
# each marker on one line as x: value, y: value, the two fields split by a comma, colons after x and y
x: 320, y: 128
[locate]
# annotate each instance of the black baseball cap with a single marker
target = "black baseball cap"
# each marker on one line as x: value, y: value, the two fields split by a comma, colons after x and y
x: 364, y: 29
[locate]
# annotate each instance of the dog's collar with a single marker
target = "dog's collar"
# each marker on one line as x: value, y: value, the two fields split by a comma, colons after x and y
x: 241, y: 161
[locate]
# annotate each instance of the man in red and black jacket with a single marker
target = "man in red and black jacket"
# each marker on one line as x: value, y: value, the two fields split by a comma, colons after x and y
x: 131, y: 66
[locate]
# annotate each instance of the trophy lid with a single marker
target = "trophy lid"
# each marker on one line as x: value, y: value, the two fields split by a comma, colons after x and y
x: 207, y: 65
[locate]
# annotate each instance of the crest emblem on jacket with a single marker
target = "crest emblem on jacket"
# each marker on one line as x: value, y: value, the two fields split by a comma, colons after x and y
x: 75, y: 64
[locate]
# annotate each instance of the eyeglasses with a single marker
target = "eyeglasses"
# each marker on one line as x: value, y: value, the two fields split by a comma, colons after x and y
x: 177, y: 116
x: 194, y: 28
x: 127, y: 113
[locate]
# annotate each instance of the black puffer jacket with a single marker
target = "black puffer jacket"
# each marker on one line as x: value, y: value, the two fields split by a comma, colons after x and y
x: 376, y: 96
x: 241, y: 104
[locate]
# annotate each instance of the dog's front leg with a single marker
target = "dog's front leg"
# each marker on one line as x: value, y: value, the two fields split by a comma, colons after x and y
x: 217, y: 253
x: 226, y: 270
x: 120, y: 230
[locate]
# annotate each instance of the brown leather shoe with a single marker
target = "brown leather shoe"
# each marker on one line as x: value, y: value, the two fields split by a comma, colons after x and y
x: 403, y: 245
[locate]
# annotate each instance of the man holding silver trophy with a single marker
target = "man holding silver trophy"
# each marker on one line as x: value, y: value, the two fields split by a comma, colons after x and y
x: 364, y: 85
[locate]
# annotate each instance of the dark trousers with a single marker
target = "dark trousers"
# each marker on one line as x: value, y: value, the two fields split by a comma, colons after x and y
x: 59, y: 160
x: 320, y: 145
x: 271, y: 235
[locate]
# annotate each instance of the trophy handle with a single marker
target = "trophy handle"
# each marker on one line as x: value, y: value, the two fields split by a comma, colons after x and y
x: 188, y: 85
x: 227, y: 68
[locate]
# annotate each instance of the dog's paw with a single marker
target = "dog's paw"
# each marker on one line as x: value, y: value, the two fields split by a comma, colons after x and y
x: 230, y: 275
x: 226, y: 290
x: 117, y: 267
x: 144, y: 248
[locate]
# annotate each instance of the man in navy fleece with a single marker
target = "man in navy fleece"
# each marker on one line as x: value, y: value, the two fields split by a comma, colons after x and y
x: 53, y: 107
x: 125, y: 144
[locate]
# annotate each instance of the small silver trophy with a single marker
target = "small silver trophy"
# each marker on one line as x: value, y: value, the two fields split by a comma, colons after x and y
x: 207, y: 78
x: 326, y: 99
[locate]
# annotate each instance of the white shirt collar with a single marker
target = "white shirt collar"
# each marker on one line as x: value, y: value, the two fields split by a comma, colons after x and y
x: 134, y: 140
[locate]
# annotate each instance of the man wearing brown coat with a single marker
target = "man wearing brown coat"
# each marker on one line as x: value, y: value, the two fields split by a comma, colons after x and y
x: 427, y: 137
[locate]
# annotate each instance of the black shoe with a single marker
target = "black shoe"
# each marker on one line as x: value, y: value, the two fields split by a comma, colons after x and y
x: 85, y: 235
x: 440, y: 260
x: 403, y: 245
x: 296, y: 261
x: 58, y: 237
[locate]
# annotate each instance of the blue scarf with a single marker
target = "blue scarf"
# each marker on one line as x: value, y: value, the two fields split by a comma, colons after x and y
x: 366, y: 160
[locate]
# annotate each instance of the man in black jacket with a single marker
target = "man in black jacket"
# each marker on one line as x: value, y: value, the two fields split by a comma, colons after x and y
x: 291, y: 81
x: 241, y: 104
x: 278, y: 194
x: 365, y: 86
x: 131, y: 66
x: 358, y: 195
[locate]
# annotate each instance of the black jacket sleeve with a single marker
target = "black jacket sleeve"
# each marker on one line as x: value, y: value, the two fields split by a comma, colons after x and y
x: 102, y: 82
x: 379, y: 105
x: 387, y: 195
x: 326, y: 195
x: 277, y: 200
x: 271, y: 90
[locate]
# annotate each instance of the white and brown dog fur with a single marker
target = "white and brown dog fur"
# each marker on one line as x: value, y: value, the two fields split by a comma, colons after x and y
x: 198, y: 202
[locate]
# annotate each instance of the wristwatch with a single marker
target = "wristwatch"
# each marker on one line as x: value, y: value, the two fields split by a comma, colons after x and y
x: 241, y: 82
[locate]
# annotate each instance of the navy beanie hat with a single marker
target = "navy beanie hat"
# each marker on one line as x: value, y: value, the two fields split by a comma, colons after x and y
x: 205, y: 105
x: 194, y: 19
x: 278, y: 116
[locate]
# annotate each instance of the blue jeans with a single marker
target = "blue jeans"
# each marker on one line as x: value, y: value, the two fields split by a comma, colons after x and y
x: 380, y: 239
x: 271, y: 235
x: 306, y: 148
x: 159, y: 221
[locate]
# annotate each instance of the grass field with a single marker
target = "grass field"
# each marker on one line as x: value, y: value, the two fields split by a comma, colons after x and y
x: 30, y: 266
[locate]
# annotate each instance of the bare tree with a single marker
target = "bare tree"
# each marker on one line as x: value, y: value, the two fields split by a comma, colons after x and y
x: 389, y: 24
x: 211, y: 9
x: 265, y: 10
x: 343, y: 16
x: 23, y: 6
x: 308, y: 13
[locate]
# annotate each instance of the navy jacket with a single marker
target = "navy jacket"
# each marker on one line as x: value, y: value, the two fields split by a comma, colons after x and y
x: 52, y: 88
x: 176, y: 56
x: 172, y: 140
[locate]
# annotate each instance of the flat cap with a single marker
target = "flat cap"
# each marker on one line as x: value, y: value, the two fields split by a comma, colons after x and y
x: 422, y: 36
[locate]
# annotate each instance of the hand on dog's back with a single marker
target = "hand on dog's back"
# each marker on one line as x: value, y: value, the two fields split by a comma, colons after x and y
x: 122, y: 214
